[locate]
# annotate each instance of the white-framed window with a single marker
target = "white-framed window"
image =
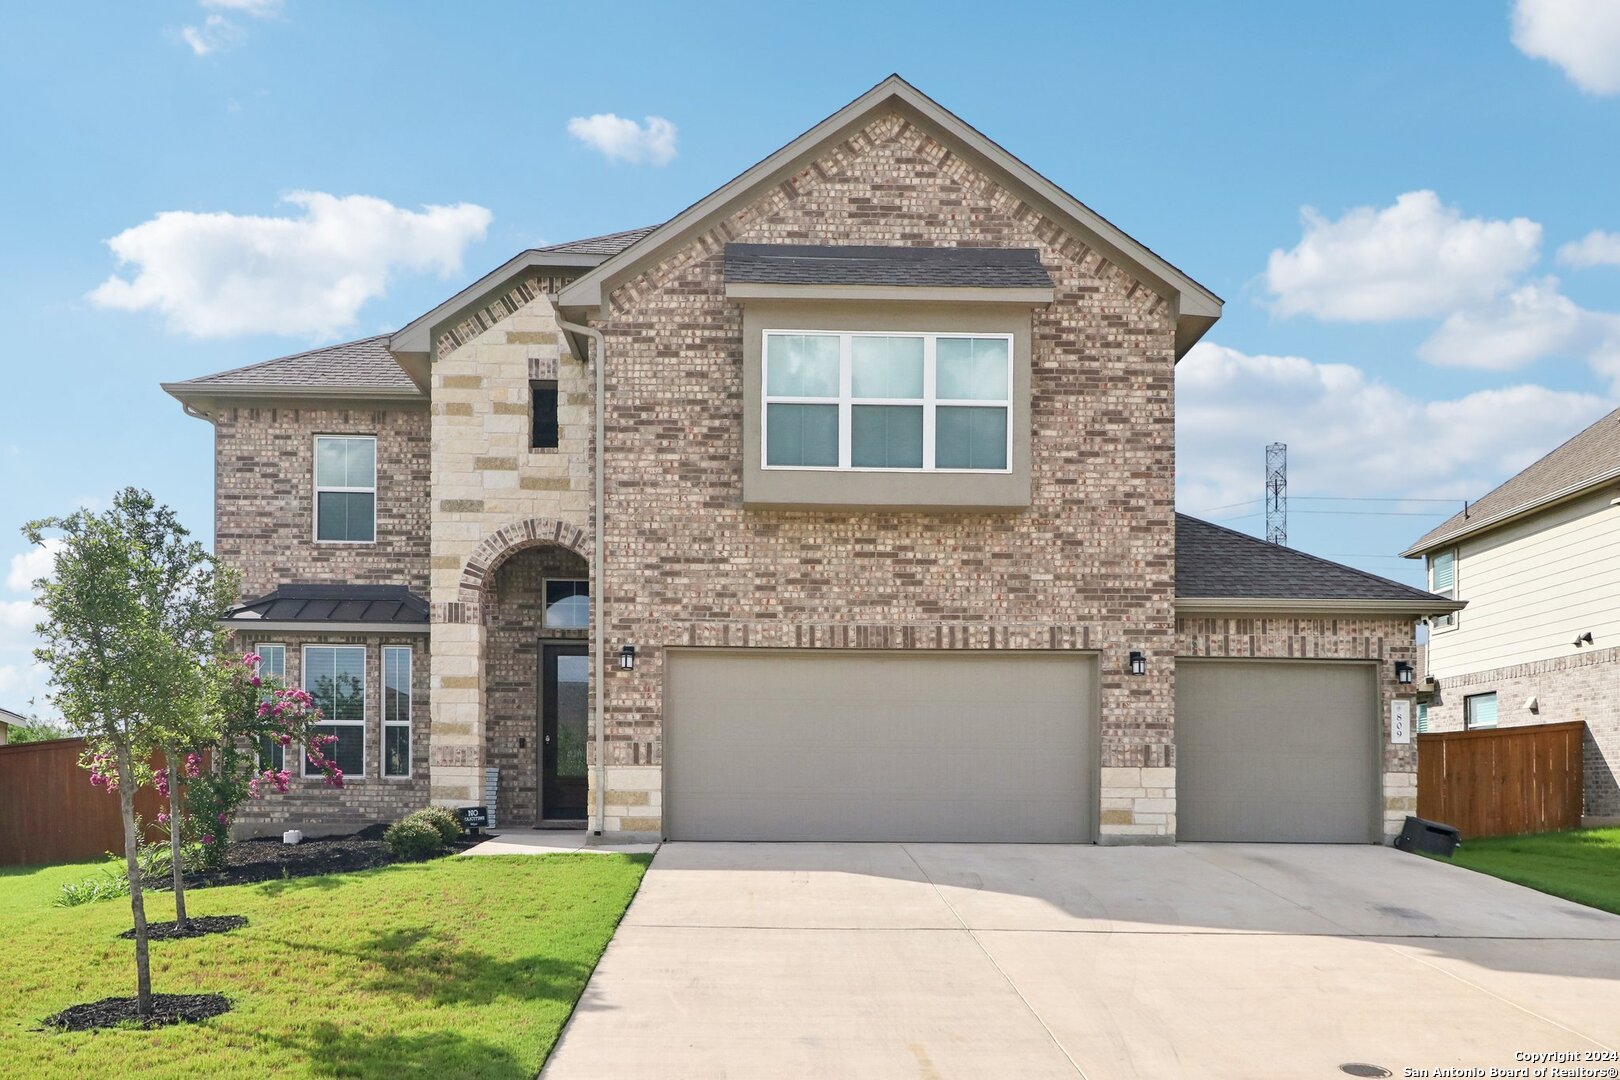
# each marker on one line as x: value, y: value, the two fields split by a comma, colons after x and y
x: 888, y: 402
x: 335, y: 676
x: 272, y: 664
x: 1479, y: 711
x: 1443, y: 582
x: 568, y: 604
x: 346, y: 489
x: 1422, y: 718
x: 396, y: 712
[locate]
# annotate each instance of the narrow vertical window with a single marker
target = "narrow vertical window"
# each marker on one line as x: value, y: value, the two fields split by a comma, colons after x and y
x: 273, y: 665
x: 346, y: 488
x: 396, y: 660
x: 543, y: 415
x: 335, y: 676
x: 1443, y: 582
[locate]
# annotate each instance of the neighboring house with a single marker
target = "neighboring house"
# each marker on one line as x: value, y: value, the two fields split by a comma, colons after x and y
x: 876, y: 541
x: 7, y: 719
x: 1536, y: 560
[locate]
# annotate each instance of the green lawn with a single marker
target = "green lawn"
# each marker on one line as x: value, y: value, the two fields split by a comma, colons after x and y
x: 447, y: 969
x: 1582, y: 865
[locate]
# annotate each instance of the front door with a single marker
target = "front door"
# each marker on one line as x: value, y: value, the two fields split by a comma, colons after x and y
x: 565, y: 674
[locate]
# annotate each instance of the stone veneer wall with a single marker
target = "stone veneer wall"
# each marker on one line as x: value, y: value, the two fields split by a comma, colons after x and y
x: 514, y: 612
x: 264, y: 497
x: 365, y: 799
x: 494, y: 496
x: 1581, y: 686
x: 1384, y: 639
x: 1089, y: 566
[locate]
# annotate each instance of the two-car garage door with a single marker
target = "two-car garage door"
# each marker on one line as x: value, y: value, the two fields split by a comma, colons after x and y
x: 767, y: 744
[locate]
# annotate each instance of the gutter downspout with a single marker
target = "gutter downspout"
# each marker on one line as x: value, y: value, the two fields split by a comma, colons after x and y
x: 598, y: 605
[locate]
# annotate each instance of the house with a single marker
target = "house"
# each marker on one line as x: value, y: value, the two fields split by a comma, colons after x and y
x: 1535, y: 560
x: 7, y: 720
x: 844, y: 498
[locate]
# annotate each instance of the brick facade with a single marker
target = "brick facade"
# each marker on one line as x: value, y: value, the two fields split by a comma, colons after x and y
x: 366, y: 798
x: 1582, y: 686
x: 264, y: 483
x: 1384, y: 639
x: 1090, y: 565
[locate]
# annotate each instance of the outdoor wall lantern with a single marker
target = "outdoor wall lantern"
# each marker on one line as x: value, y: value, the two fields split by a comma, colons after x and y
x: 627, y: 658
x: 1403, y: 672
x: 1138, y: 663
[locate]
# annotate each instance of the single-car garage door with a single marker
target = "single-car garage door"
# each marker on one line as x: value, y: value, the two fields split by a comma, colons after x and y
x: 766, y: 744
x: 1284, y: 751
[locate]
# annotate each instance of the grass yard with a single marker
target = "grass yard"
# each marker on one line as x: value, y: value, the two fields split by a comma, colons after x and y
x: 1582, y: 865
x: 447, y: 969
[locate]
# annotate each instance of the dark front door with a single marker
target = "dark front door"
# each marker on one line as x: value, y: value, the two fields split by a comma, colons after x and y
x: 565, y: 686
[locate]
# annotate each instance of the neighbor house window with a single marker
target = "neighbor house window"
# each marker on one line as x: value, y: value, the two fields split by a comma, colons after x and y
x: 335, y: 676
x: 1479, y: 711
x: 272, y: 665
x: 1422, y: 718
x: 543, y: 415
x: 396, y: 718
x: 568, y: 604
x: 1443, y: 582
x: 346, y: 488
x: 897, y: 402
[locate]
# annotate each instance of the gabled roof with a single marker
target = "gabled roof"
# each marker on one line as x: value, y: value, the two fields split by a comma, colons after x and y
x: 413, y: 344
x: 362, y: 368
x: 1219, y: 568
x: 392, y: 608
x: 829, y: 264
x: 8, y: 717
x: 1197, y: 308
x: 1586, y: 461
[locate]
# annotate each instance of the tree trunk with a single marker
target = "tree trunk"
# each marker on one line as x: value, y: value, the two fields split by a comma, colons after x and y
x: 177, y: 770
x: 132, y: 864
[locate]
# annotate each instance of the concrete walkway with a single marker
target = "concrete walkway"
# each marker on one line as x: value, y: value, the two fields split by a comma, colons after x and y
x: 1208, y: 961
x: 549, y: 842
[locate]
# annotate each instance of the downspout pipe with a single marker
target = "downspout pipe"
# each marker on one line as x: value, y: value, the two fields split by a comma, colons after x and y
x: 598, y: 598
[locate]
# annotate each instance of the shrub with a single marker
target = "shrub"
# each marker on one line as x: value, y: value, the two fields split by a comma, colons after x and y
x: 112, y: 880
x: 413, y: 838
x: 444, y: 820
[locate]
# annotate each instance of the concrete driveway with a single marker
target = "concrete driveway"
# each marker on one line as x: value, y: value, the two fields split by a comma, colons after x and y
x: 936, y: 960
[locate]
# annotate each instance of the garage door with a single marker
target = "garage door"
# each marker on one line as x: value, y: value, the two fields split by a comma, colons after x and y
x: 1282, y: 751
x: 766, y: 744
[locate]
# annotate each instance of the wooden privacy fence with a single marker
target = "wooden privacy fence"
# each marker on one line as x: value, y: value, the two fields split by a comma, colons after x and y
x: 1502, y: 781
x: 49, y: 813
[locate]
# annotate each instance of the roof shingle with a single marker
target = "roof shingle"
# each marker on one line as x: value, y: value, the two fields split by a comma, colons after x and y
x: 1588, y: 458
x: 609, y: 244
x: 364, y: 364
x: 1218, y: 563
x: 819, y: 264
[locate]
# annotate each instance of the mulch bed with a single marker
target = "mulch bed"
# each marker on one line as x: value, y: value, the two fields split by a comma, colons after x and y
x: 166, y: 1009
x: 196, y: 926
x: 268, y: 859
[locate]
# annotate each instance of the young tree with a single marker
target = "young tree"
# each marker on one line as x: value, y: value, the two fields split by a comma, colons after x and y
x: 129, y: 610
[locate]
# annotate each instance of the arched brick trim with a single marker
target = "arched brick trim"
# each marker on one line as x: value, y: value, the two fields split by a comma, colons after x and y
x: 508, y: 540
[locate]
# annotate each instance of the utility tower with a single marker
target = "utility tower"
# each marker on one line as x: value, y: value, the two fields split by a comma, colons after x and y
x: 1277, y: 494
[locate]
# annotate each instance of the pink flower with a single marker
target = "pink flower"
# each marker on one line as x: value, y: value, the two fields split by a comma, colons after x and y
x: 255, y: 681
x: 208, y: 838
x: 193, y: 765
x: 251, y: 659
x: 223, y: 820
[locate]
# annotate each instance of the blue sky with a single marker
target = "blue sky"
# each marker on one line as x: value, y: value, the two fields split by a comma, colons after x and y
x: 1444, y: 312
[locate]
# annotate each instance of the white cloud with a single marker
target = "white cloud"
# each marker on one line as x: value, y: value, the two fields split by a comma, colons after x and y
x: 1533, y: 321
x: 1582, y: 37
x: 31, y: 565
x: 216, y: 34
x: 220, y: 274
x: 1417, y: 258
x: 620, y: 139
x: 1348, y: 434
x: 1596, y: 248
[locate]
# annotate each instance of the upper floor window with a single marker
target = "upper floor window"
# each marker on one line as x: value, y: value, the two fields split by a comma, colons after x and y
x: 346, y: 488
x: 543, y: 415
x: 890, y: 402
x: 1443, y: 582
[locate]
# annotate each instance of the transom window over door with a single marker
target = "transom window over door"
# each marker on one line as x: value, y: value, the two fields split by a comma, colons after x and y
x: 887, y: 402
x: 346, y: 488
